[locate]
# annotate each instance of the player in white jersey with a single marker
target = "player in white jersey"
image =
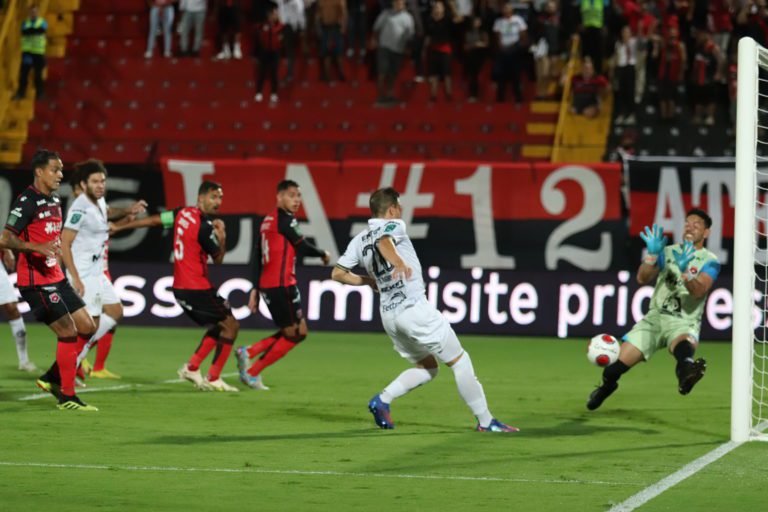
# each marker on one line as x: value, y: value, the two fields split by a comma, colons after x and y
x: 10, y: 307
x: 84, y: 243
x: 419, y: 332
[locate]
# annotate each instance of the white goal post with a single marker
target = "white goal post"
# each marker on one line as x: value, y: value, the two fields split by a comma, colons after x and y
x: 749, y: 380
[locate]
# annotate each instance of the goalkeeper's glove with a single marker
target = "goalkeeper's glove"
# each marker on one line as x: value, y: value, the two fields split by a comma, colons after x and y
x: 655, y: 241
x: 684, y: 256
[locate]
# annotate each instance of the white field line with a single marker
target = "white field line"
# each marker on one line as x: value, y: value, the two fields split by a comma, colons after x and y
x: 38, y: 396
x: 298, y: 472
x: 650, y: 492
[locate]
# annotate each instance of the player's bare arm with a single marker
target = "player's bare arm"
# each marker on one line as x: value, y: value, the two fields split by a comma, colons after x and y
x: 253, y: 300
x: 152, y: 221
x: 386, y: 246
x: 67, y: 238
x: 136, y: 208
x: 700, y: 285
x: 9, y: 260
x: 345, y: 276
x: 221, y: 234
x: 647, y: 273
x: 8, y: 240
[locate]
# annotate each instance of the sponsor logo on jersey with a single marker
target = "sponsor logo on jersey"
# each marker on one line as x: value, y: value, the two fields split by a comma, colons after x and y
x: 390, y: 227
x: 40, y: 202
x: 693, y: 271
x: 76, y: 218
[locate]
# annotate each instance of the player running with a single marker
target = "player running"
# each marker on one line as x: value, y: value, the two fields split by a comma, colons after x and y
x: 9, y: 304
x: 83, y: 247
x: 419, y: 332
x: 684, y: 274
x: 274, y: 278
x: 33, y: 229
x: 196, y: 238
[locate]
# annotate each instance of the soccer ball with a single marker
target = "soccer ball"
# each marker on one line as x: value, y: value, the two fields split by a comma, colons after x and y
x: 603, y: 350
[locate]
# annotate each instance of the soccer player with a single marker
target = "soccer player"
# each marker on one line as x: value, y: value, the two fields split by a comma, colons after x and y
x: 10, y: 306
x: 418, y: 331
x: 83, y: 251
x: 684, y: 274
x: 274, y: 277
x: 33, y: 229
x: 195, y: 238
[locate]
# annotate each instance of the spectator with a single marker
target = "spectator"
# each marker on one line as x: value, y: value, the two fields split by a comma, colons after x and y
x: 228, y: 36
x: 438, y: 30
x: 476, y: 48
x: 291, y: 13
x: 356, y: 28
x: 33, y: 44
x: 511, y: 32
x: 720, y: 23
x: 592, y: 12
x: 332, y: 18
x: 420, y: 10
x: 546, y: 51
x: 269, y: 34
x: 587, y: 88
x: 192, y: 15
x: 626, y: 60
x: 672, y: 59
x: 160, y: 12
x: 393, y: 30
x: 707, y: 72
x: 647, y: 26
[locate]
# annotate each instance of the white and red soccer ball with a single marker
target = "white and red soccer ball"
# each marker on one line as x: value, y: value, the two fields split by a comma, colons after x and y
x: 603, y: 350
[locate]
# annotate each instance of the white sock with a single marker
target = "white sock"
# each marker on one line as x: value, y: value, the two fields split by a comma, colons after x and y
x: 106, y: 324
x: 20, y: 336
x: 406, y: 381
x: 471, y: 390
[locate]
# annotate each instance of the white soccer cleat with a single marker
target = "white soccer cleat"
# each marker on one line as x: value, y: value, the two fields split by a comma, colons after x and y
x: 255, y: 383
x: 192, y: 376
x: 28, y: 366
x: 219, y: 385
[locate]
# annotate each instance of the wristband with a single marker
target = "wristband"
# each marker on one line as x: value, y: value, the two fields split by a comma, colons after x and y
x: 687, y: 276
x: 651, y: 259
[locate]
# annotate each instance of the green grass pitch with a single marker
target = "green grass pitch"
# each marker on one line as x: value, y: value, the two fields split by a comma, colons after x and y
x: 310, y: 444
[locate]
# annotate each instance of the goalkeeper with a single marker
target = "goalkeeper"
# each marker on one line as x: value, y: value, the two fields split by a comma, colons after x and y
x: 684, y: 274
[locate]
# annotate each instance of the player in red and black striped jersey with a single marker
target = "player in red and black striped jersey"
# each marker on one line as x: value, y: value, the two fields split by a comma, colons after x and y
x: 196, y: 238
x: 274, y: 277
x: 33, y: 229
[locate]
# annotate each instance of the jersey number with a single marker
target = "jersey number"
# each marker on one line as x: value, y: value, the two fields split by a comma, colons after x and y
x: 178, y: 249
x: 379, y: 264
x: 264, y: 249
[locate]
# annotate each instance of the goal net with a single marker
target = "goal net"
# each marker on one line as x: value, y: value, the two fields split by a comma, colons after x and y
x: 749, y: 390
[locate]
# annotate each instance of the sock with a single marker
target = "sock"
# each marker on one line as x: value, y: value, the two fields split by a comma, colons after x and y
x: 406, y: 381
x: 263, y: 345
x: 683, y: 352
x: 471, y: 390
x: 106, y: 324
x: 223, y: 349
x: 613, y: 372
x: 20, y: 335
x: 276, y: 352
x: 207, y: 344
x: 102, y: 350
x: 66, y: 359
x: 52, y: 374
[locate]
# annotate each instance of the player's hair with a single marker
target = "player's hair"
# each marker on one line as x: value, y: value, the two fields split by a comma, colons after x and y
x: 84, y: 170
x: 207, y: 186
x: 41, y: 158
x: 74, y: 179
x: 382, y: 199
x: 700, y: 213
x: 285, y: 185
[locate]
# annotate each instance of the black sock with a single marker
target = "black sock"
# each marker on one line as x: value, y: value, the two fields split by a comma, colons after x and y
x: 614, y: 372
x: 683, y: 352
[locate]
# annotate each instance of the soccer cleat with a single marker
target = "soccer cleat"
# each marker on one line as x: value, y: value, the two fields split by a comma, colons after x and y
x: 380, y: 412
x: 104, y: 374
x: 254, y: 382
x: 28, y: 366
x: 73, y: 403
x: 86, y: 366
x: 690, y: 374
x: 497, y: 426
x: 192, y: 376
x: 53, y: 388
x: 598, y: 396
x: 219, y: 385
x: 241, y: 356
x: 80, y: 383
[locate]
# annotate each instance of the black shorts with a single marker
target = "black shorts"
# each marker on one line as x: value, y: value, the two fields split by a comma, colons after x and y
x: 668, y: 90
x: 204, y: 307
x: 284, y: 305
x: 50, y: 302
x: 439, y: 64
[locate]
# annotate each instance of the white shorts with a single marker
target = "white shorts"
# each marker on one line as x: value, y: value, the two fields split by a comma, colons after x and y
x: 7, y: 291
x: 98, y: 292
x: 419, y: 331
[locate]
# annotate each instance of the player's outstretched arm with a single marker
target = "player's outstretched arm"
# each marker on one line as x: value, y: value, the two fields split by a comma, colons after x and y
x: 136, y: 208
x: 153, y: 221
x: 342, y: 275
x: 9, y: 240
x: 387, y: 249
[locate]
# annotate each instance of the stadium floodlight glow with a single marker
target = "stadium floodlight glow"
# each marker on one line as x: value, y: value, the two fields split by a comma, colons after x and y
x: 749, y: 389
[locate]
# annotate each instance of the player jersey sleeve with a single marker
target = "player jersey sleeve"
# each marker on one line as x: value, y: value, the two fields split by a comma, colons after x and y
x: 712, y: 268
x: 208, y: 239
x: 351, y: 257
x: 394, y: 229
x: 288, y: 226
x: 21, y: 214
x: 75, y: 217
